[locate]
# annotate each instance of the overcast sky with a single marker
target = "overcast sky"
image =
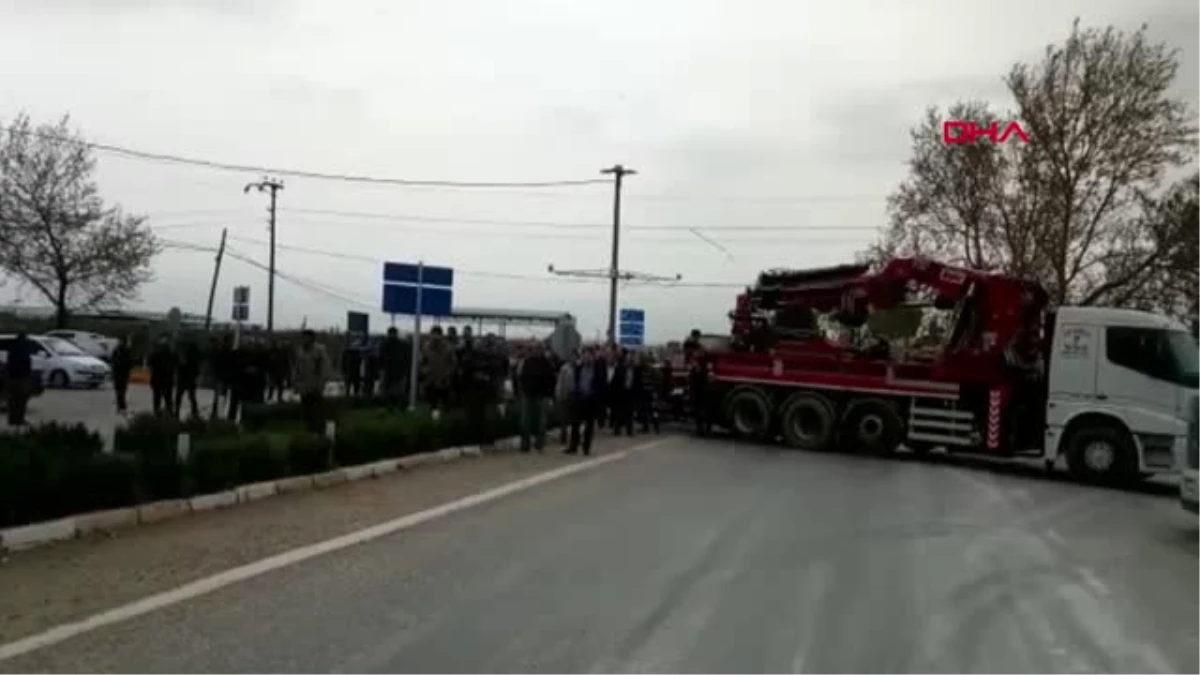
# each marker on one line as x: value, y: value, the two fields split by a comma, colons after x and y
x: 788, y: 116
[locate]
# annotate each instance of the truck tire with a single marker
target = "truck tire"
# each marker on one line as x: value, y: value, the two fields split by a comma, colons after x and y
x: 808, y: 422
x: 1102, y: 454
x: 748, y: 412
x: 873, y: 426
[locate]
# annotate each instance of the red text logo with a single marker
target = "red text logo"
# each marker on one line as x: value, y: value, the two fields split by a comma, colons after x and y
x: 958, y: 132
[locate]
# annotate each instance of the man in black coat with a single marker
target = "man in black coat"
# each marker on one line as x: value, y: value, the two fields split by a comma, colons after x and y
x: 18, y: 378
x: 187, y: 376
x: 122, y: 369
x: 395, y: 364
x: 162, y: 375
x: 535, y: 383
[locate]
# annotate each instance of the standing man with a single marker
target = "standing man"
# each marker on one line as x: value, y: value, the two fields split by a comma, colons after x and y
x: 311, y: 371
x: 585, y: 399
x: 537, y: 384
x: 162, y: 375
x: 279, y: 369
x: 224, y: 373
x: 438, y: 365
x: 645, y: 379
x: 394, y: 364
x: 187, y: 373
x: 18, y: 375
x: 352, y: 363
x: 475, y: 385
x: 370, y: 368
x: 698, y: 394
x: 620, y: 394
x: 122, y: 368
x: 562, y: 395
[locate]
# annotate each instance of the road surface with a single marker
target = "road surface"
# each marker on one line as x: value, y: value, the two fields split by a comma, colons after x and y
x: 711, y: 556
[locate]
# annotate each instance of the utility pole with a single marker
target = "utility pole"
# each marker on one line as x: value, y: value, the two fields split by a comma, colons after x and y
x: 614, y: 274
x: 272, y: 186
x: 212, y: 290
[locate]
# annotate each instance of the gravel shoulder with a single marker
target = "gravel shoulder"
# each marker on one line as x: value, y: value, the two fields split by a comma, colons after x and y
x: 48, y: 586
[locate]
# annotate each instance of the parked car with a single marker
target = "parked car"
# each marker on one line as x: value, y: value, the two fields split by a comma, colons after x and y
x: 61, y: 363
x: 99, y: 346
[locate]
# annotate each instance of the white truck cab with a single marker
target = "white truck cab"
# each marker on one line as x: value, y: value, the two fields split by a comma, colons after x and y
x: 1119, y: 386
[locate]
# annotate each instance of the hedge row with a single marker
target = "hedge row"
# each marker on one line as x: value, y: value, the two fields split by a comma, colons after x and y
x: 56, y: 470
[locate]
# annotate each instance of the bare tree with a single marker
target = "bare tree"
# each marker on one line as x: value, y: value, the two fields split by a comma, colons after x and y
x: 1070, y: 207
x: 56, y: 233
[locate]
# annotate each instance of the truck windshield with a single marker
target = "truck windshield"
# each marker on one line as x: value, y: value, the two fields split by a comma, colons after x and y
x: 1185, y: 353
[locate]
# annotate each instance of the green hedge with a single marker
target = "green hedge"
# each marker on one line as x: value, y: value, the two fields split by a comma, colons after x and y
x: 54, y: 470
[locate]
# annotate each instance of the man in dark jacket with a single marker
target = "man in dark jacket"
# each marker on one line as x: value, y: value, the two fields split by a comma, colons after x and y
x: 224, y: 373
x: 370, y: 368
x: 474, y: 385
x: 585, y: 399
x: 536, y: 379
x: 279, y: 370
x: 352, y: 363
x: 395, y: 361
x: 187, y: 376
x: 162, y: 375
x: 620, y: 394
x: 18, y: 378
x: 122, y: 368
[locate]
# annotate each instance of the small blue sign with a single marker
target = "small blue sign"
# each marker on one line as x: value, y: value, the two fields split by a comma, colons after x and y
x: 633, y: 329
x: 629, y: 315
x: 404, y: 284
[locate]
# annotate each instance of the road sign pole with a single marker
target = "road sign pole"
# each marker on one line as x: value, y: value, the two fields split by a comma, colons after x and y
x: 414, y: 369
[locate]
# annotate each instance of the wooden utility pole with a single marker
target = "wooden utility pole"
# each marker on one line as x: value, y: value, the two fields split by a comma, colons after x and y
x: 212, y: 290
x: 273, y: 187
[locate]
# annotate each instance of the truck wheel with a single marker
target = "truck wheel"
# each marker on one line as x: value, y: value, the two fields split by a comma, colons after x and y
x: 1101, y: 454
x: 748, y: 411
x: 873, y: 426
x: 807, y: 422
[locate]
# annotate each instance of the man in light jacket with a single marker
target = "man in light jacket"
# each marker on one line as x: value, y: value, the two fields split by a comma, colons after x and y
x: 311, y: 370
x: 562, y: 395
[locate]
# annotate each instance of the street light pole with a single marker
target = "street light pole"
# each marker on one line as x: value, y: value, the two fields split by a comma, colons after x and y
x: 614, y: 268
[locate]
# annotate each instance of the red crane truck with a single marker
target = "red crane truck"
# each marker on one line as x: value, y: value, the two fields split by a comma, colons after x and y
x: 1107, y: 389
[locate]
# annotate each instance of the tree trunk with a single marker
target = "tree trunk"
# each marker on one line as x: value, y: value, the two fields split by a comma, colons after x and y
x: 60, y: 307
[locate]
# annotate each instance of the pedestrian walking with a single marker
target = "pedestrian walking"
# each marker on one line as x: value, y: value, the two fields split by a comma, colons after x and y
x: 279, y: 370
x: 162, y: 375
x: 122, y: 369
x: 645, y: 386
x: 18, y: 378
x: 370, y: 368
x: 537, y: 386
x: 620, y: 395
x: 311, y: 371
x: 475, y: 385
x: 223, y: 366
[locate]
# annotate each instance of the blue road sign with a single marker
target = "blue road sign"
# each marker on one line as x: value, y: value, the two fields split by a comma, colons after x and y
x: 403, y: 282
x: 629, y: 315
x: 632, y: 329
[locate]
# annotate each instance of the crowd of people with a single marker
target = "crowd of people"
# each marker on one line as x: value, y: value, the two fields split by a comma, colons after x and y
x: 596, y: 388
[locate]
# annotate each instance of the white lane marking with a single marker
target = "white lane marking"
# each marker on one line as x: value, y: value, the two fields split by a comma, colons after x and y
x: 229, y: 577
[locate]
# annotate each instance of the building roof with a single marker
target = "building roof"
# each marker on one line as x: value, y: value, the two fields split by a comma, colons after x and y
x: 532, y: 316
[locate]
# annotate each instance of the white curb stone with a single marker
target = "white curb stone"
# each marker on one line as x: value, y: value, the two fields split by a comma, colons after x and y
x: 105, y: 521
x: 217, y: 500
x: 155, y: 512
x: 256, y: 491
x: 329, y: 478
x: 294, y: 484
x: 359, y: 472
x: 28, y: 536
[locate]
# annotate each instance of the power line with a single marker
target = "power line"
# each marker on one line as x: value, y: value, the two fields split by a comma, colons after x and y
x: 299, y: 173
x: 568, y: 225
x: 512, y: 276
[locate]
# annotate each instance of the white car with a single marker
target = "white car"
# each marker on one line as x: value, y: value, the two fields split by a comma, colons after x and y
x: 95, y: 344
x: 62, y: 364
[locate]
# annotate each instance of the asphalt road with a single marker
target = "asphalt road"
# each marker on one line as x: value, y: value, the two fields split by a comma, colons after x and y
x: 708, y: 556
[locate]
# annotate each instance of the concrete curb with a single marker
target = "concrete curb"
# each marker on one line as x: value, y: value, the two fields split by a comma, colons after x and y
x: 156, y: 512
x: 37, y: 534
x: 216, y: 500
x: 84, y: 524
x: 105, y: 521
